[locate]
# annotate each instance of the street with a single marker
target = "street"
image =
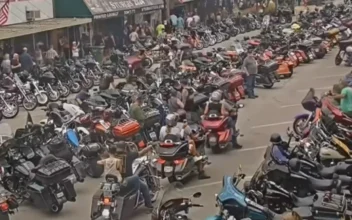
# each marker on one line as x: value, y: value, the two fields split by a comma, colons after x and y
x: 272, y: 112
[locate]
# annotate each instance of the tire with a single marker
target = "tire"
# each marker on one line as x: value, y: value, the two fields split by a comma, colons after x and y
x: 54, y: 96
x: 64, y: 91
x: 123, y: 72
x: 218, y: 38
x: 148, y: 61
x: 32, y: 100
x: 282, y: 20
x: 171, y: 179
x: 338, y: 59
x: 88, y: 84
x: 212, y: 40
x: 76, y: 87
x: 93, y: 169
x: 200, y: 46
x: 270, y: 85
x: 13, y: 113
x: 205, y: 43
x: 56, y: 208
x: 296, y: 122
x: 42, y: 99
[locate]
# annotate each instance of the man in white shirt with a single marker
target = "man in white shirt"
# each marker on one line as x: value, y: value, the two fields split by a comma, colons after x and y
x: 196, y: 18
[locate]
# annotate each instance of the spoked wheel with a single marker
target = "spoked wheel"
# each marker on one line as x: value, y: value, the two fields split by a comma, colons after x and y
x: 88, y: 83
x: 10, y: 110
x: 54, y: 95
x: 30, y: 103
x: 64, y: 91
x: 42, y: 98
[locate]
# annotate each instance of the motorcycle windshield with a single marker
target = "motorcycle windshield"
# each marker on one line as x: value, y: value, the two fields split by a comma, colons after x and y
x: 238, y: 47
x: 172, y: 191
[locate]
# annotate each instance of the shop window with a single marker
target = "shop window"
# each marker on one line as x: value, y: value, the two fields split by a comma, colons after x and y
x: 147, y: 17
x: 23, y: 41
x: 42, y: 39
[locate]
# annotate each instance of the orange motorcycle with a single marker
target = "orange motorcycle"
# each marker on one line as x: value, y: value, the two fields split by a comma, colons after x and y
x: 285, y: 65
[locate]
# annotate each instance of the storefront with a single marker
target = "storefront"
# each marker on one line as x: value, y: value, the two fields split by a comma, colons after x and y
x: 111, y: 16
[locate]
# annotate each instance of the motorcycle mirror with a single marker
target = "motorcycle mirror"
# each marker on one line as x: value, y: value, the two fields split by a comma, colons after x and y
x: 197, y: 195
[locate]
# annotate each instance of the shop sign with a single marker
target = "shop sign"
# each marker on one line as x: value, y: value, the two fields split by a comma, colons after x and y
x: 106, y: 15
x: 151, y: 8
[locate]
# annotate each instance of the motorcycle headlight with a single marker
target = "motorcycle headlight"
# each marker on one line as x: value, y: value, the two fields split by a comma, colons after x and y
x: 106, y: 213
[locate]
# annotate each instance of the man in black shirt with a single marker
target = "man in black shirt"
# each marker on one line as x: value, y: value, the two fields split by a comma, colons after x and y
x: 129, y: 177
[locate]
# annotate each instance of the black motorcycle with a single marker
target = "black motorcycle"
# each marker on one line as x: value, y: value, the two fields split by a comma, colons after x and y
x: 47, y: 184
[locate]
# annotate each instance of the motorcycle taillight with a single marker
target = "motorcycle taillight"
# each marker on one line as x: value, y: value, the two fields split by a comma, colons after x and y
x: 4, y: 207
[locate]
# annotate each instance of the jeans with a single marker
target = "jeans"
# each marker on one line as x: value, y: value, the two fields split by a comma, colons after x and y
x: 232, y: 125
x: 137, y: 184
x: 250, y: 83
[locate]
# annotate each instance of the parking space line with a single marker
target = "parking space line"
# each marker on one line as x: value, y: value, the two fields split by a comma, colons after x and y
x: 321, y: 88
x: 211, y: 184
x: 252, y: 148
x: 271, y: 125
x: 330, y: 76
x: 288, y: 106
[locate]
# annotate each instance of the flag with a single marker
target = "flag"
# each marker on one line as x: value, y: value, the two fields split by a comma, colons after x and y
x: 4, y: 13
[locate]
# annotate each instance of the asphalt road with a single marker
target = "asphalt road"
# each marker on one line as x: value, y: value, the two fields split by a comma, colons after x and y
x: 273, y: 111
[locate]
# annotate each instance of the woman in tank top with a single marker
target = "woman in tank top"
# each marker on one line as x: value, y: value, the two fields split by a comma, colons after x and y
x: 112, y: 165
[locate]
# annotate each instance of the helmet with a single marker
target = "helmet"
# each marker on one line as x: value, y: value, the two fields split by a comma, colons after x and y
x: 171, y: 120
x: 216, y: 96
x: 275, y: 138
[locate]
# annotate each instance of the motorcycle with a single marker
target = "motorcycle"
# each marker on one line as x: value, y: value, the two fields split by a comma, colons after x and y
x: 219, y: 135
x: 8, y: 202
x: 341, y: 54
x: 174, y: 161
x: 47, y: 185
x: 170, y: 203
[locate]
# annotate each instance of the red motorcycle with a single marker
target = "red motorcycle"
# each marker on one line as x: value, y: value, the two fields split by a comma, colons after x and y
x: 218, y: 134
x: 339, y: 116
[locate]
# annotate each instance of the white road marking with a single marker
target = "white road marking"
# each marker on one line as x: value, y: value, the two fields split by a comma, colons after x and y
x: 211, y: 184
x: 288, y: 106
x: 321, y: 88
x: 271, y: 125
x: 330, y: 76
x: 252, y: 148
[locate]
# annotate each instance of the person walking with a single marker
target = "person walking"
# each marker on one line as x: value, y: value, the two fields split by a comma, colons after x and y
x: 39, y: 55
x: 250, y: 66
x: 50, y: 56
x: 26, y: 60
x: 75, y: 50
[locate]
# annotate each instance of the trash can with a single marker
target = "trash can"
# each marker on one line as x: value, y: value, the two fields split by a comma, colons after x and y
x: 97, y: 52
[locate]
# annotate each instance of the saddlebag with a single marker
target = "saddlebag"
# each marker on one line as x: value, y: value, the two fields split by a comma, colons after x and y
x: 53, y: 172
x: 329, y: 206
x: 152, y: 117
x: 269, y: 67
x: 60, y: 149
x: 126, y: 128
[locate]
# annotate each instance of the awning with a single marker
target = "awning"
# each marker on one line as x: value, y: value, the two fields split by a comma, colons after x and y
x: 18, y: 30
x: 112, y: 8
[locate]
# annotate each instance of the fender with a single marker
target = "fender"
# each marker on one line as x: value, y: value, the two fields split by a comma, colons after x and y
x: 83, y: 130
x: 304, y: 115
x: 40, y: 92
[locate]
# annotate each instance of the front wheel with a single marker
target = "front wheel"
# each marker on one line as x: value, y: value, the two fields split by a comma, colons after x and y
x: 64, y: 91
x: 297, y: 124
x: 148, y: 62
x: 42, y: 98
x: 338, y: 59
x: 10, y: 110
x: 29, y: 103
x: 88, y: 83
x: 54, y: 95
x: 199, y: 46
x: 269, y: 84
x: 76, y: 87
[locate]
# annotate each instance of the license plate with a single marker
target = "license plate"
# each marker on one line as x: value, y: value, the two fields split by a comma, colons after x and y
x: 168, y: 169
x: 59, y: 195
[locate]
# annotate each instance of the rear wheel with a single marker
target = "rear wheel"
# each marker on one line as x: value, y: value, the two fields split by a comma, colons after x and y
x: 56, y: 208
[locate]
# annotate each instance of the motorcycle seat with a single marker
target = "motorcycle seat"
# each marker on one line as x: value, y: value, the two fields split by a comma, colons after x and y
x: 301, y: 202
x: 322, y: 184
x: 108, y: 96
